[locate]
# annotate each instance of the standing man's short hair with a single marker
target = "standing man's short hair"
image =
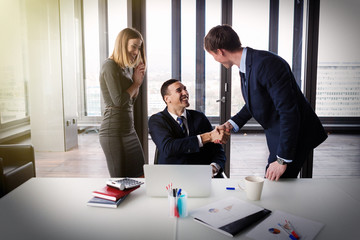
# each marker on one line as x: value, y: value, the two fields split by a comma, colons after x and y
x: 164, y: 87
x: 222, y: 37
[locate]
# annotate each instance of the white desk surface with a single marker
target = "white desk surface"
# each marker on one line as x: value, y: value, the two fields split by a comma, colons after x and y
x: 55, y: 208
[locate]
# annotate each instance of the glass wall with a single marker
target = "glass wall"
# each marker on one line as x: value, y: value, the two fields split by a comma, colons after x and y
x: 338, y: 76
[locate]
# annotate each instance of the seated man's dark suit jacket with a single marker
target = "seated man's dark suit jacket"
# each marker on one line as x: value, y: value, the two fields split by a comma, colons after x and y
x: 176, y: 148
x: 274, y: 99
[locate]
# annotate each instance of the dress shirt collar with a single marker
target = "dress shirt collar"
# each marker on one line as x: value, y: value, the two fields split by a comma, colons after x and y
x: 175, y: 116
x: 243, y: 61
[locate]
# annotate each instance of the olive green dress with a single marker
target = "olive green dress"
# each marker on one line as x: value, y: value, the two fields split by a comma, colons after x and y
x: 118, y: 138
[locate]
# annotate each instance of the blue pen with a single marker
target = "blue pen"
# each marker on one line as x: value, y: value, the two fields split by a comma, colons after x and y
x: 290, y: 235
x: 179, y: 192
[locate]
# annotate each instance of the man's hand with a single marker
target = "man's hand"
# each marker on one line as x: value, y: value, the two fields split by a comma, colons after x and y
x: 226, y: 126
x: 217, y: 135
x: 220, y: 134
x: 275, y: 170
x: 225, y: 130
x: 214, y: 136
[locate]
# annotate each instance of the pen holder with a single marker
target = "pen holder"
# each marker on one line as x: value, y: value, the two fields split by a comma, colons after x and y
x: 182, y: 205
x: 172, y: 205
x: 178, y: 205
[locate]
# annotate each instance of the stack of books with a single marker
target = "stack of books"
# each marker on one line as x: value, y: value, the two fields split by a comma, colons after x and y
x: 109, y: 197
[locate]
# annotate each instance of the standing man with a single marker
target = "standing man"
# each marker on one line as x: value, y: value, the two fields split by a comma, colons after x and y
x: 273, y: 98
x: 185, y: 136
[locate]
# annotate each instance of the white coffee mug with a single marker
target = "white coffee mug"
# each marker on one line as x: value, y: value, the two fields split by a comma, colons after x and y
x: 253, y: 187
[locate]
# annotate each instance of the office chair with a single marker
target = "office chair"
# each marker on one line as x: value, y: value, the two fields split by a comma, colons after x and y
x: 156, y: 156
x: 17, y: 165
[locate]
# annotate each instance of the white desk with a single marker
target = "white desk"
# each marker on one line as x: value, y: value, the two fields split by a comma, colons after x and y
x: 55, y: 208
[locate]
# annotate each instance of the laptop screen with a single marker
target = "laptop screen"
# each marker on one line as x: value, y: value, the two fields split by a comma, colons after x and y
x: 195, y: 180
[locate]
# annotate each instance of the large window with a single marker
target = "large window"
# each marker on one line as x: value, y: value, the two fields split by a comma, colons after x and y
x: 338, y: 76
x: 286, y: 24
x: 117, y: 20
x: 158, y: 44
x: 212, y: 68
x: 188, y: 48
x: 251, y: 22
x: 116, y: 14
x: 91, y: 89
x: 13, y: 64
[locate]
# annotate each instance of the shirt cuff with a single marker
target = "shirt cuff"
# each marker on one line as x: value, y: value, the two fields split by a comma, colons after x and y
x: 235, y: 126
x: 200, y: 141
x: 285, y: 160
x: 217, y: 166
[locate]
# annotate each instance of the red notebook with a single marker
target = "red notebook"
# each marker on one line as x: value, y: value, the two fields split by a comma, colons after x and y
x: 111, y: 193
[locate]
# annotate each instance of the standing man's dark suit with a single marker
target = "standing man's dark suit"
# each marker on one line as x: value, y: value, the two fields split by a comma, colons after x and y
x: 274, y: 99
x: 176, y: 148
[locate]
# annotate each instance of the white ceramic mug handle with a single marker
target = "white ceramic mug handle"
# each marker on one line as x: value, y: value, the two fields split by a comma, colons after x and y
x: 241, y: 188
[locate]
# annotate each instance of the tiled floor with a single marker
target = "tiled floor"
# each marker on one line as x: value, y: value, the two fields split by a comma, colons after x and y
x: 338, y: 156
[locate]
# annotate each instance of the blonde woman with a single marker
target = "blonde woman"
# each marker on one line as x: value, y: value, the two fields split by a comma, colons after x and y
x: 121, y: 76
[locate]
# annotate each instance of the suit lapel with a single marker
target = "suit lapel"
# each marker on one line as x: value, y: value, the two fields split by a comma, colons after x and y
x: 248, y: 63
x: 174, y: 125
x: 190, y: 123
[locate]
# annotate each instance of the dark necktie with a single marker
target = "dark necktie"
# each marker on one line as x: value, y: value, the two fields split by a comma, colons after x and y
x: 182, y: 125
x: 243, y: 79
x: 243, y: 87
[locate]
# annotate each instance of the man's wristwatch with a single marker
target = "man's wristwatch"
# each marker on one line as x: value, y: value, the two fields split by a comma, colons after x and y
x: 281, y: 161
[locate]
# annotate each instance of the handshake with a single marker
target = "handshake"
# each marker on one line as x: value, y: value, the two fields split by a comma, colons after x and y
x: 220, y: 134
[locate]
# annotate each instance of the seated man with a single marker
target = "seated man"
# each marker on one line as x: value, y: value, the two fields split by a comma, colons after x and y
x: 185, y: 136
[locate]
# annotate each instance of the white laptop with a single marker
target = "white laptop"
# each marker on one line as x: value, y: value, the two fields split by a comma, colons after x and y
x: 195, y: 180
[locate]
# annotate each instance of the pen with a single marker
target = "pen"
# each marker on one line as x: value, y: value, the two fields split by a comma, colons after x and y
x: 176, y: 210
x: 179, y: 192
x: 290, y: 235
x: 291, y: 229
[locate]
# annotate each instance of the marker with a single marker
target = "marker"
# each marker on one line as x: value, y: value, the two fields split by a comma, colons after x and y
x: 292, y: 230
x: 230, y: 188
x: 290, y: 235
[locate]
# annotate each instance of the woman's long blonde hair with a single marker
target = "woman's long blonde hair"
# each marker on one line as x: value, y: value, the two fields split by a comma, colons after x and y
x: 120, y: 53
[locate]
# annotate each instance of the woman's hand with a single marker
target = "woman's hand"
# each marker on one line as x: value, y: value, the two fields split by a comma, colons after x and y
x: 138, y: 78
x: 138, y: 75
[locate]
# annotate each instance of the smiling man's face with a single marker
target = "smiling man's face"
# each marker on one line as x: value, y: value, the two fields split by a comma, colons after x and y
x: 177, y: 96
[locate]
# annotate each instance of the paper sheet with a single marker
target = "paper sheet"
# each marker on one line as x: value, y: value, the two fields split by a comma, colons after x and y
x: 225, y: 211
x: 307, y: 229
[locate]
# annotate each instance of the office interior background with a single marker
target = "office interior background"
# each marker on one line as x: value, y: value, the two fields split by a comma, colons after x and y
x: 51, y: 52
